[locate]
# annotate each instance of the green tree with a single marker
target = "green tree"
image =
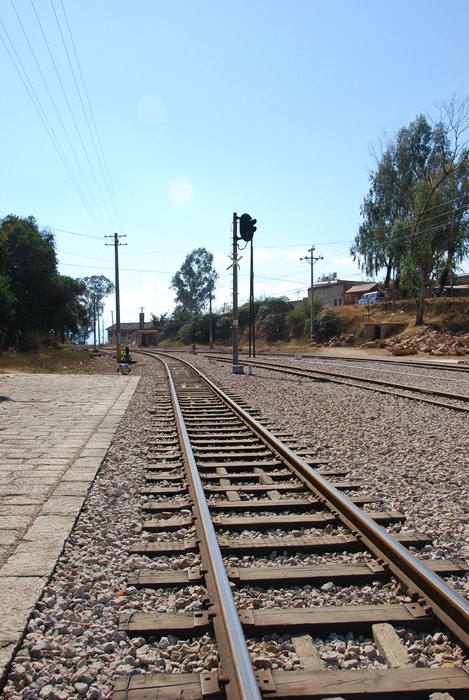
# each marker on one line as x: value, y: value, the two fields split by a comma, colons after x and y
x: 29, y: 266
x: 195, y: 281
x: 272, y: 317
x: 223, y: 328
x: 297, y: 320
x: 327, y: 325
x: 8, y: 303
x: 96, y: 289
x: 170, y: 325
x: 70, y: 313
x: 37, y: 304
x: 415, y: 214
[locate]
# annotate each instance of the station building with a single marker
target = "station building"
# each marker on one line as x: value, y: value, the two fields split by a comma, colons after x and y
x: 141, y: 335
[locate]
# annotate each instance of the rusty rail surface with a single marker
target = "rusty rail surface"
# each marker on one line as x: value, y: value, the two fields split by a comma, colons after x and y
x: 349, y: 380
x: 233, y: 652
x: 432, y: 597
x: 449, y: 607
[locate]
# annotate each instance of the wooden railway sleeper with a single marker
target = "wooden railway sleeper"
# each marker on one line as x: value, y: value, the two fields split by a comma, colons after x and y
x: 418, y: 609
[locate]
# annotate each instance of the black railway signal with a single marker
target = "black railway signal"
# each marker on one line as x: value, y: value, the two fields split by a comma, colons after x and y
x: 247, y: 227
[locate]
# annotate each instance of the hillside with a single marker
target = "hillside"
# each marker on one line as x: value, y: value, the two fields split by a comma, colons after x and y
x: 446, y: 331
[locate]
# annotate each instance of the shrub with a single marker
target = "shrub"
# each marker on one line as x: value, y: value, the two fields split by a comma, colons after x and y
x: 272, y: 317
x: 223, y: 328
x: 296, y: 319
x: 273, y: 326
x: 327, y: 325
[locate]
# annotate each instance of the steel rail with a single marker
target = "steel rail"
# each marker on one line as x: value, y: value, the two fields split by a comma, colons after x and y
x: 419, y: 364
x: 353, y: 381
x: 449, y: 607
x: 242, y: 683
x: 444, y: 365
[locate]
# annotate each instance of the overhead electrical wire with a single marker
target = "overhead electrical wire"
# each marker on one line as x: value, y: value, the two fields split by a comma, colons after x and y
x: 101, y: 215
x: 102, y: 161
x: 74, y: 233
x: 84, y: 114
x: 16, y: 60
x: 64, y: 92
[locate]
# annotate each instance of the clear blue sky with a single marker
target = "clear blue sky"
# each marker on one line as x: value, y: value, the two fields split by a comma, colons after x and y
x: 206, y: 107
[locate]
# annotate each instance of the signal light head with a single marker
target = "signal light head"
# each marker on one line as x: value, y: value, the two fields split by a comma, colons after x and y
x: 247, y: 227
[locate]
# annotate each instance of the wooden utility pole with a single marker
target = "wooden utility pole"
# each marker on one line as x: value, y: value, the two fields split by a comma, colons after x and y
x: 94, y: 322
x: 116, y: 245
x: 311, y: 259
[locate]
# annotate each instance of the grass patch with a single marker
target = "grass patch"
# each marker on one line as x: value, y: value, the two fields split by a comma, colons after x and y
x: 57, y: 361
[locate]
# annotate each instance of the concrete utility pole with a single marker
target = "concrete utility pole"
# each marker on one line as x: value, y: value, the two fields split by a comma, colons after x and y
x: 311, y: 259
x: 116, y: 245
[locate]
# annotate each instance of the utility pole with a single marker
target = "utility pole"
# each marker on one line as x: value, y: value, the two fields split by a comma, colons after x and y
x: 247, y: 228
x: 94, y: 323
x: 235, y: 294
x: 252, y: 334
x: 116, y: 245
x: 311, y: 259
x: 210, y: 326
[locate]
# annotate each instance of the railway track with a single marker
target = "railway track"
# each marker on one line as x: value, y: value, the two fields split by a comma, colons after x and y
x: 433, y: 396
x: 392, y: 361
x: 260, y: 517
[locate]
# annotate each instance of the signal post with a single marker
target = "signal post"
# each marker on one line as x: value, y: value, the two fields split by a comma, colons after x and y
x: 247, y: 227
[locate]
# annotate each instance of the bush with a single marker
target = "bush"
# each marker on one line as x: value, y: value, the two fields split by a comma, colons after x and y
x: 327, y: 326
x: 272, y: 317
x: 223, y: 328
x: 185, y: 333
x: 273, y: 326
x: 297, y: 318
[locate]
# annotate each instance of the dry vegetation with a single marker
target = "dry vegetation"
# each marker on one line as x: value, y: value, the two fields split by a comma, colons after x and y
x: 57, y: 361
x: 446, y: 333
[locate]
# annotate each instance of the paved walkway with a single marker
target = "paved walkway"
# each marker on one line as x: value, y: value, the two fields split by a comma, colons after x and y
x: 54, y: 433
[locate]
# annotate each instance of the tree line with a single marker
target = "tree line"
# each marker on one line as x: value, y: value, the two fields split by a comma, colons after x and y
x: 415, y: 227
x: 415, y: 215
x: 37, y: 304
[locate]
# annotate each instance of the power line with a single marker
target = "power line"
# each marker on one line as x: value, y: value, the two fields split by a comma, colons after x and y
x: 70, y: 111
x: 74, y: 233
x: 106, y: 176
x: 64, y: 29
x: 84, y: 111
x: 16, y: 60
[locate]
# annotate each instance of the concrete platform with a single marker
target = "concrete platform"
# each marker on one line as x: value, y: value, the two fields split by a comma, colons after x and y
x: 55, y: 431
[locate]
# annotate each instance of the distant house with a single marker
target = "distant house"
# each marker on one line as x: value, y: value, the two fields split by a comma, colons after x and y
x: 332, y: 292
x: 142, y: 334
x: 353, y: 294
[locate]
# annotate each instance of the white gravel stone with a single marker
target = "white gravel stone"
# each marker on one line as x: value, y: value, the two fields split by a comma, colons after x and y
x: 414, y: 457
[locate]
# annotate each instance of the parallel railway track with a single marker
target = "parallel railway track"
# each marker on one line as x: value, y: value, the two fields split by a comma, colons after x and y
x: 436, y: 397
x: 393, y: 361
x: 220, y: 484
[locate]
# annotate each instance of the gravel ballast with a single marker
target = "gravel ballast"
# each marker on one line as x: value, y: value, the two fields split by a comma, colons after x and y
x: 412, y: 456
